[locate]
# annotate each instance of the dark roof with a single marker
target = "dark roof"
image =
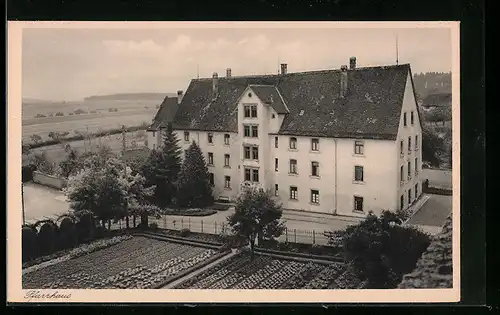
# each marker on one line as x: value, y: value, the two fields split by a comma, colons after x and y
x: 269, y: 94
x: 437, y: 99
x: 166, y: 113
x: 435, y: 268
x: 371, y: 108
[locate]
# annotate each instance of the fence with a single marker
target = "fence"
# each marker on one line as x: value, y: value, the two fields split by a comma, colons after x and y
x: 214, y: 227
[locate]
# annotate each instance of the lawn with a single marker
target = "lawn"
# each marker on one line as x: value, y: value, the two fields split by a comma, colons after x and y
x: 268, y: 272
x: 137, y: 263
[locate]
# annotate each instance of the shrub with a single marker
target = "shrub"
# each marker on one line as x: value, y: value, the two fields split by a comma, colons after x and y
x: 184, y: 232
x: 85, y: 227
x: 79, y: 111
x: 29, y: 243
x: 27, y: 172
x: 59, y: 114
x: 382, y: 251
x: 40, y: 116
x: 67, y: 233
x: 153, y: 226
x: 47, y: 238
x: 71, y: 114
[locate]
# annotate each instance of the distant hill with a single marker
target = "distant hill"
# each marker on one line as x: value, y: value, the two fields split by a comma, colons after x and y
x: 130, y: 97
x: 432, y: 82
x: 28, y: 100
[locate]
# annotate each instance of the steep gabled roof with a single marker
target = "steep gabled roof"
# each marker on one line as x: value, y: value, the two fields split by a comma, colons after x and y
x: 371, y: 108
x: 437, y: 99
x: 269, y: 94
x: 166, y: 113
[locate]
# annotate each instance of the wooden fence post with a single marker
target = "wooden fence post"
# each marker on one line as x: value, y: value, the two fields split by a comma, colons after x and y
x: 215, y: 225
x: 189, y: 223
x: 182, y: 223
x: 295, y: 234
x: 286, y: 234
x: 314, y: 237
x: 202, y: 226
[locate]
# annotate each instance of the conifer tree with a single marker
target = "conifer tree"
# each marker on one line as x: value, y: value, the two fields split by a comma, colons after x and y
x: 194, y: 189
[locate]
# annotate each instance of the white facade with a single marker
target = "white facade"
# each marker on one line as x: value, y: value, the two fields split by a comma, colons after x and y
x: 335, y: 189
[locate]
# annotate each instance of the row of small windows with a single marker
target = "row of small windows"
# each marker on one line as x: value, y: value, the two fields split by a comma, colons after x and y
x: 227, y: 159
x: 410, y: 146
x: 412, y: 119
x: 252, y: 131
x: 412, y: 196
x: 294, y: 195
x: 408, y: 170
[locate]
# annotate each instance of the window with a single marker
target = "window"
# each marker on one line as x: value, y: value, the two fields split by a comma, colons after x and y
x: 250, y: 111
x: 154, y: 146
x: 293, y: 143
x: 226, y: 139
x: 358, y: 173
x: 210, y: 137
x: 314, y: 168
x: 211, y: 178
x: 275, y: 142
x: 246, y: 152
x: 412, y: 118
x: 210, y: 158
x: 255, y: 153
x: 253, y: 111
x: 227, y: 181
x: 358, y: 147
x: 293, y: 166
x: 314, y: 196
x: 276, y: 190
x: 401, y: 148
x: 315, y: 144
x: 358, y: 203
x: 409, y: 144
x: 404, y: 119
x: 416, y: 143
x: 276, y: 164
x: 186, y: 136
x: 416, y: 166
x: 255, y: 176
x: 246, y: 131
x: 293, y: 193
x: 251, y: 175
x: 255, y: 131
x: 402, y: 202
x: 272, y: 116
x: 409, y: 170
x: 401, y: 174
x: 416, y: 191
x: 409, y: 196
x: 227, y: 157
x: 154, y: 133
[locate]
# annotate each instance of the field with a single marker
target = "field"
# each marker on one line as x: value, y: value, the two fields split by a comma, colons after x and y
x: 96, y: 117
x: 137, y: 263
x: 268, y: 272
x: 55, y: 153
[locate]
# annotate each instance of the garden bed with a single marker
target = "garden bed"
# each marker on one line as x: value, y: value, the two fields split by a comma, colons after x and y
x: 264, y: 272
x: 213, y: 239
x: 137, y: 263
x: 180, y: 240
x: 300, y: 248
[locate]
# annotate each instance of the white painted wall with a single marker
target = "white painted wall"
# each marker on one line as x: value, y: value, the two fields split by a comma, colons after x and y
x: 154, y: 139
x: 409, y: 105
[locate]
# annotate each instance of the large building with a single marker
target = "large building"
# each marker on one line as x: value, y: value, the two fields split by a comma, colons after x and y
x: 343, y: 141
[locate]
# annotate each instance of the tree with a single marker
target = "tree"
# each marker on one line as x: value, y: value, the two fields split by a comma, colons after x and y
x: 162, y: 168
x: 42, y: 163
x: 432, y: 146
x: 70, y: 165
x: 193, y: 188
x: 257, y: 214
x: 382, y: 251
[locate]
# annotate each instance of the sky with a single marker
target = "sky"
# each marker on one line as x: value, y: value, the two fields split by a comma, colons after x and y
x: 70, y: 64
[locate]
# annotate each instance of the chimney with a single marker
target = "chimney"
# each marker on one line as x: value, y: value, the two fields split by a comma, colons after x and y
x: 352, y: 63
x: 343, y: 81
x: 215, y: 84
x: 180, y: 94
x: 283, y: 68
x: 228, y: 72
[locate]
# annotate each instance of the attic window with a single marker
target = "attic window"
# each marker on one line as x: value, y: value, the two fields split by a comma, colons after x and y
x: 272, y: 116
x: 250, y: 94
x: 301, y: 112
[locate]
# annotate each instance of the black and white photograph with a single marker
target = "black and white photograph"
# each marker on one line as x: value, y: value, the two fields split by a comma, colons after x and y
x: 213, y: 156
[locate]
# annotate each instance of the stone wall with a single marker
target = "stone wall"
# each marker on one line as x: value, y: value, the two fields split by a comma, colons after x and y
x: 49, y: 180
